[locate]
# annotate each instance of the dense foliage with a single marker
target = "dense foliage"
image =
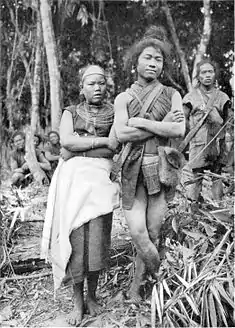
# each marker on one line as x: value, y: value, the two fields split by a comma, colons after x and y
x: 101, y: 32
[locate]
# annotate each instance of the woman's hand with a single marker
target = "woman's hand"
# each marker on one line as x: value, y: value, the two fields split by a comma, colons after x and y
x: 113, y: 143
x: 66, y: 154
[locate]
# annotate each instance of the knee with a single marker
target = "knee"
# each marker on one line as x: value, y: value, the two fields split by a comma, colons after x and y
x: 154, y: 228
x: 17, y: 177
x: 138, y: 232
x: 154, y: 234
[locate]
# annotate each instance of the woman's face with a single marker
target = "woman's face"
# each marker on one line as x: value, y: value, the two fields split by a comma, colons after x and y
x: 150, y: 64
x: 94, y: 88
x: 54, y: 139
x: 19, y: 142
x: 36, y: 141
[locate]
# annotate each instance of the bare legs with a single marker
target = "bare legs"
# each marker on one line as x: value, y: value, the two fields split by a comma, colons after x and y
x: 144, y: 221
x: 92, y: 282
x: 194, y: 190
x: 90, y: 245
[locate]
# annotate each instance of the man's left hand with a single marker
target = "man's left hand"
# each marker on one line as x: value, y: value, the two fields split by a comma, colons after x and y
x: 174, y: 116
x: 136, y: 122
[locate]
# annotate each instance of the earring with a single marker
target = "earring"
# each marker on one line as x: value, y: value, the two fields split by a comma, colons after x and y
x: 162, y: 74
x: 133, y: 70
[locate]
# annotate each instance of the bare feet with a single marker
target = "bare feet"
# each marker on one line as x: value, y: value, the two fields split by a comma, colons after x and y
x: 75, y: 317
x: 93, y: 307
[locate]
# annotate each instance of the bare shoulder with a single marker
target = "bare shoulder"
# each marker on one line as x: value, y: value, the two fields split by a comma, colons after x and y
x: 123, y: 98
x: 176, y: 94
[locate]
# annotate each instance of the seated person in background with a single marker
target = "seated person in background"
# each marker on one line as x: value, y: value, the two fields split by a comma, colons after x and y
x: 19, y: 165
x: 38, y: 142
x: 52, y: 149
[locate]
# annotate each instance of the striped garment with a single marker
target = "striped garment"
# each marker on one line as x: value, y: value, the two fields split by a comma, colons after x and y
x: 130, y: 160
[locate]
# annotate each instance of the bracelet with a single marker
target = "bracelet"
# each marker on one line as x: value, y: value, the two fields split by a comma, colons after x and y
x: 94, y: 143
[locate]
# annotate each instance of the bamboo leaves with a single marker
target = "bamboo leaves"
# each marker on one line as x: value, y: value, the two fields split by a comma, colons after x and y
x: 200, y: 291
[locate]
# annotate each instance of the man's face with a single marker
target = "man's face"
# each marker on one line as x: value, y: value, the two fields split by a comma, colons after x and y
x: 206, y: 75
x: 150, y: 64
x: 19, y: 142
x: 94, y: 87
x: 53, y: 138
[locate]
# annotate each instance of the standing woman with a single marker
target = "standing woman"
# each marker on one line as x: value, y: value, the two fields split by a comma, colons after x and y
x: 144, y: 194
x: 82, y: 198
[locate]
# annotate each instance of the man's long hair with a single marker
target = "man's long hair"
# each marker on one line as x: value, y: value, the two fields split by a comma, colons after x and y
x: 155, y: 37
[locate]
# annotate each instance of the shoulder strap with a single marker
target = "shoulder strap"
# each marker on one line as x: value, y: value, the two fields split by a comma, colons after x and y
x: 152, y: 97
x: 192, y: 133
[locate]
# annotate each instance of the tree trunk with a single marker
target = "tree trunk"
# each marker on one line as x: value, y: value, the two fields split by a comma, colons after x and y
x: 52, y: 60
x: 181, y: 54
x: 10, y: 100
x: 38, y: 173
x: 1, y: 219
x: 205, y: 37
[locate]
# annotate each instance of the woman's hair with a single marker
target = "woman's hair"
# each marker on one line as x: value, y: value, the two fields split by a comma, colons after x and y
x: 39, y: 138
x: 155, y: 37
x: 84, y: 69
x: 17, y: 133
x: 55, y: 132
x: 207, y: 61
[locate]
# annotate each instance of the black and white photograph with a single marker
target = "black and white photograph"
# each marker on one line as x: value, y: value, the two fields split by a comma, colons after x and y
x: 117, y: 163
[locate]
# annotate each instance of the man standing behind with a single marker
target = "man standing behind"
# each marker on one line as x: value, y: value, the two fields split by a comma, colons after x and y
x: 207, y: 145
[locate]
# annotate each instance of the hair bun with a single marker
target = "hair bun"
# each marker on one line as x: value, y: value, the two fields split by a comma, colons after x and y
x: 156, y: 32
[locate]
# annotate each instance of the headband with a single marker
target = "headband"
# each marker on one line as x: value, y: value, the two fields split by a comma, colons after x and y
x: 91, y: 70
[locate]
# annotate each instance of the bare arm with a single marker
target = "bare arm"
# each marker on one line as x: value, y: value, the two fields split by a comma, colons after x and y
x: 14, y: 166
x: 99, y: 152
x: 50, y: 157
x: 187, y: 110
x: 43, y: 162
x: 124, y: 132
x: 163, y: 129
x: 74, y: 142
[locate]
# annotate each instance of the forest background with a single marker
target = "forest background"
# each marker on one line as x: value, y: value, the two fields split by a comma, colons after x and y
x: 44, y: 43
